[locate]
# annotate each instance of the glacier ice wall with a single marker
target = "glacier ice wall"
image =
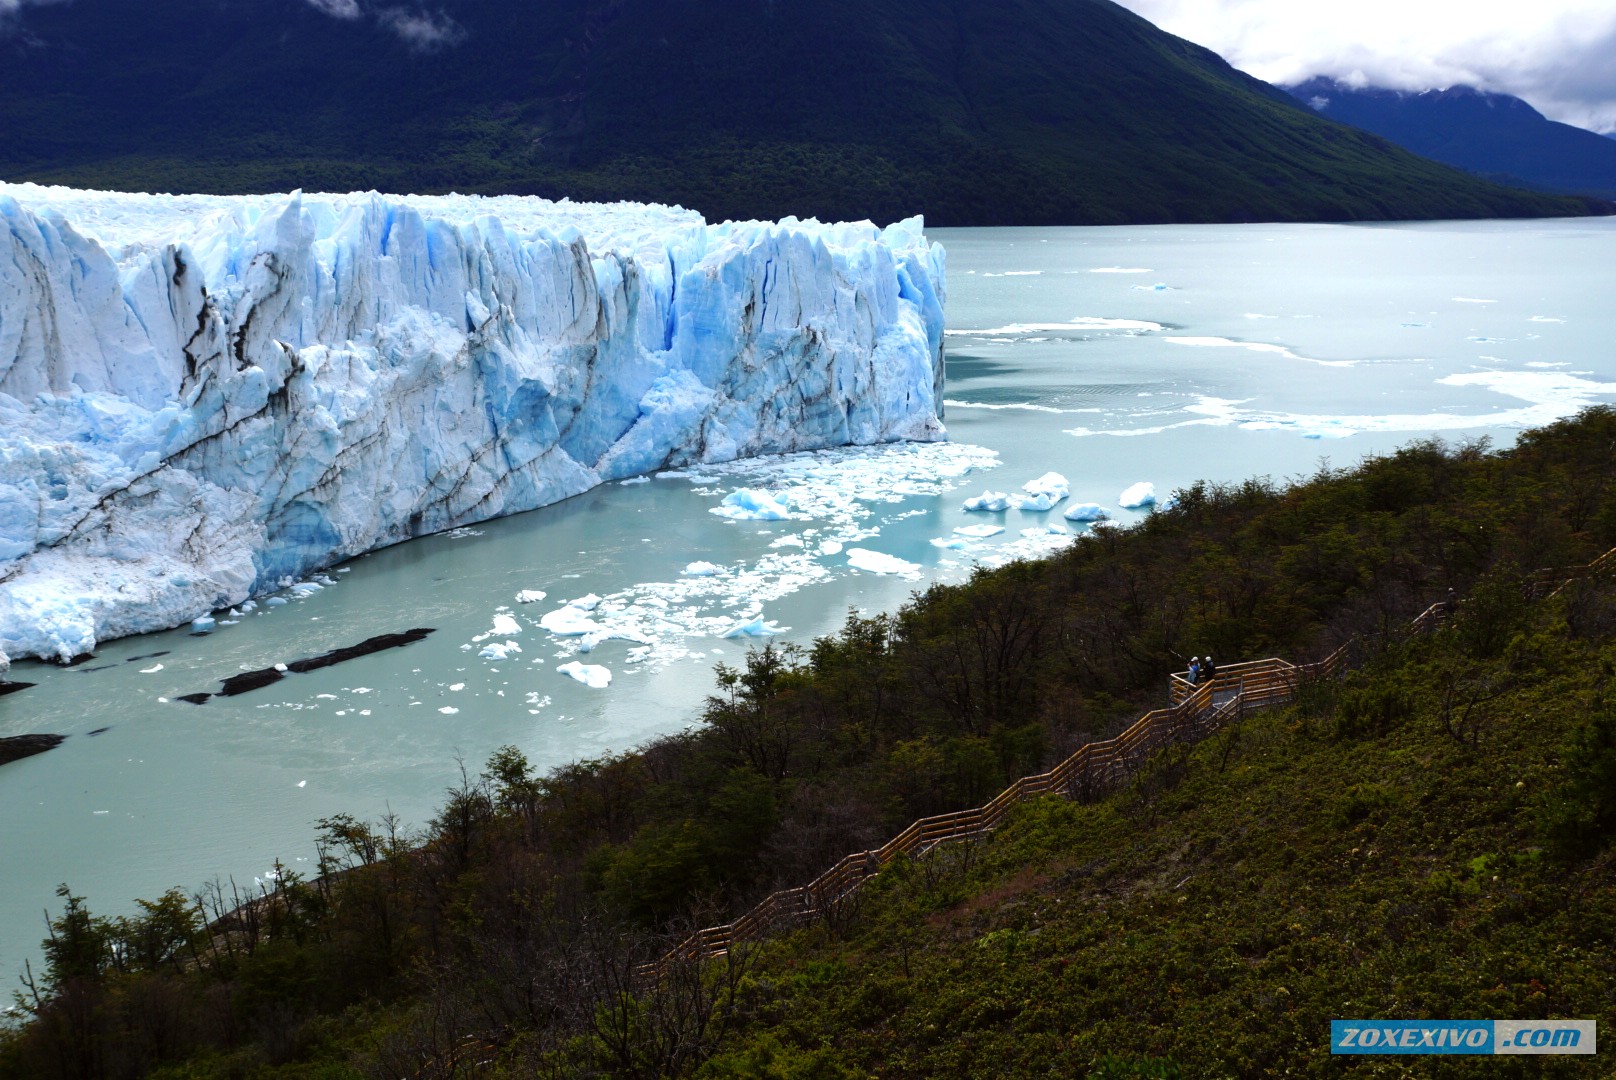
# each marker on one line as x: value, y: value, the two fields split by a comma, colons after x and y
x: 202, y: 399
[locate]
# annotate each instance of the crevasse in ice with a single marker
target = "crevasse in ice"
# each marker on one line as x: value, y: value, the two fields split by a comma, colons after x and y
x: 203, y: 399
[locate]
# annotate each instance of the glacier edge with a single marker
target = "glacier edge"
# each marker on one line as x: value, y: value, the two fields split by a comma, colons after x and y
x: 203, y: 399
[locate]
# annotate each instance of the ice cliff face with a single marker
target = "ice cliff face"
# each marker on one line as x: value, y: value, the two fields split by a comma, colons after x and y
x: 202, y: 399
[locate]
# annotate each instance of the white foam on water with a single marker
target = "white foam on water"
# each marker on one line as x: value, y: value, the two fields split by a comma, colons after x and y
x: 1472, y: 300
x: 1120, y: 270
x: 1256, y: 347
x: 1081, y: 323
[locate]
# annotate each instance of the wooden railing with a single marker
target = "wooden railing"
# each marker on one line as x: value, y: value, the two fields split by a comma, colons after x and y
x: 1093, y: 771
x: 1096, y: 769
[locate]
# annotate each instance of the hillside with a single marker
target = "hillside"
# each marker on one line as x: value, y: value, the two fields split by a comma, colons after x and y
x: 973, y: 113
x: 1429, y: 837
x: 1492, y: 135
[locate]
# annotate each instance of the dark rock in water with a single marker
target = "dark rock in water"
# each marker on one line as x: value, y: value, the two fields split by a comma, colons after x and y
x: 20, y: 746
x: 98, y: 731
x: 252, y: 680
x: 249, y: 680
x: 13, y: 687
x: 364, y: 648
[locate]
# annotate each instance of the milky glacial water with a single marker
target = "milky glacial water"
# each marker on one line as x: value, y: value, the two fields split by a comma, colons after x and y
x: 1113, y: 356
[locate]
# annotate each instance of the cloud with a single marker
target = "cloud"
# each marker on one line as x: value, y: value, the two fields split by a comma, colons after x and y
x: 1553, y: 53
x: 423, y: 31
x: 347, y: 10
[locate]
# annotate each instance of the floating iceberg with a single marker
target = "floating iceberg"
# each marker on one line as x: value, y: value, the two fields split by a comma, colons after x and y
x: 748, y: 504
x: 530, y: 596
x: 500, y: 650
x: 876, y: 562
x: 204, y: 399
x: 702, y: 569
x: 591, y: 675
x: 979, y: 531
x: 990, y: 501
x: 754, y: 628
x: 1138, y: 497
x: 1086, y: 512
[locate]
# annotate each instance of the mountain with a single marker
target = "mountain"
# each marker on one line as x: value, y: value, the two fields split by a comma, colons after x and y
x: 1492, y: 135
x: 1010, y: 112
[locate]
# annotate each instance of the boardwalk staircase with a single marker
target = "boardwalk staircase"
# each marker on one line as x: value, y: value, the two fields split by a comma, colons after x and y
x: 1095, y: 770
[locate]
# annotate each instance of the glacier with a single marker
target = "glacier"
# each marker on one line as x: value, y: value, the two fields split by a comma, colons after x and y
x: 203, y: 399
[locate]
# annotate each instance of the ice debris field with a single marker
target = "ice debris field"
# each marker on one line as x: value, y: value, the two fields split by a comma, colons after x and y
x: 204, y: 400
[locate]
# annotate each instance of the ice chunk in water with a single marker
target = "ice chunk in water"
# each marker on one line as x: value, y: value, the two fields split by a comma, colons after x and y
x: 990, y: 501
x: 754, y: 504
x: 530, y: 596
x: 499, y: 651
x: 755, y: 628
x: 702, y: 569
x: 203, y: 624
x: 1138, y: 496
x: 591, y: 675
x: 876, y: 562
x: 980, y: 531
x: 1086, y: 512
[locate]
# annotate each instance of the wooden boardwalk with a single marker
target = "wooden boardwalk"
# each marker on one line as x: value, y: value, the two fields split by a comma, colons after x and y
x: 1095, y: 770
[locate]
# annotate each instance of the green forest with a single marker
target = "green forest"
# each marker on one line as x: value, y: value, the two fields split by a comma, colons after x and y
x: 1430, y: 836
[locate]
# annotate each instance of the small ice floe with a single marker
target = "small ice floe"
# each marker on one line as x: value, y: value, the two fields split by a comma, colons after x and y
x: 952, y: 543
x: 831, y: 547
x: 506, y: 626
x: 588, y: 602
x: 448, y: 710
x: 305, y: 588
x: 457, y: 687
x: 591, y: 675
x: 281, y: 668
x: 634, y: 480
x: 588, y: 641
x: 1051, y: 529
x: 530, y: 596
x: 1138, y: 497
x: 203, y: 624
x: 754, y: 504
x: 1472, y: 300
x: 1160, y: 286
x: 462, y: 533
x: 500, y: 650
x: 1044, y: 492
x: 302, y: 783
x: 154, y: 669
x: 980, y: 531
x: 248, y: 606
x: 275, y: 601
x: 754, y: 628
x: 989, y: 501
x: 788, y: 541
x: 877, y: 562
x: 569, y: 621
x: 1086, y: 512
x: 702, y: 569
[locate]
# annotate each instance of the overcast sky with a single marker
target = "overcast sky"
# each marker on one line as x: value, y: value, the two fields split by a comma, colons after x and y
x: 1560, y: 55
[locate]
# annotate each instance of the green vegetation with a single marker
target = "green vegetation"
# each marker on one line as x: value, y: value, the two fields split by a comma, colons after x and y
x: 1024, y: 112
x: 1429, y: 837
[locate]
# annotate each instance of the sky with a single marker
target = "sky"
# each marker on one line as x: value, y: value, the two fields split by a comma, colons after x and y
x: 1559, y: 55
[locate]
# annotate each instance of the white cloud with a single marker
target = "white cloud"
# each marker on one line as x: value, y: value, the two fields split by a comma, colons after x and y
x: 337, y: 9
x: 1556, y: 54
x: 423, y: 31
